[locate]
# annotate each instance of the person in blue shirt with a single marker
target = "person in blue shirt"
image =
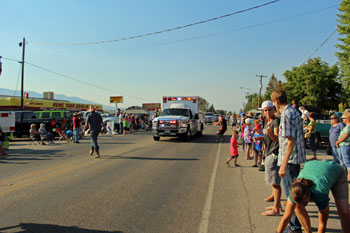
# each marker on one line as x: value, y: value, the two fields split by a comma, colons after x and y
x: 313, y: 184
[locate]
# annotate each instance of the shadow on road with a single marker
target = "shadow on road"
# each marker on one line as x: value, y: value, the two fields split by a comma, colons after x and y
x: 148, y: 158
x: 19, y: 156
x: 49, y: 228
x: 197, y: 139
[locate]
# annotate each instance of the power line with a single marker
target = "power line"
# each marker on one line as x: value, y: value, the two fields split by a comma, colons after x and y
x: 77, y: 80
x: 224, y: 32
x: 158, y: 32
x: 321, y: 44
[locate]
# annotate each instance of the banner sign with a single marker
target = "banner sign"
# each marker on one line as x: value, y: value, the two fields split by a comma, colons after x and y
x: 13, y: 102
x: 151, y: 106
x: 116, y: 99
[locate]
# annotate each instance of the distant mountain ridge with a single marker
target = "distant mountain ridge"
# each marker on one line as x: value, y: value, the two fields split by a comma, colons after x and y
x: 4, y: 91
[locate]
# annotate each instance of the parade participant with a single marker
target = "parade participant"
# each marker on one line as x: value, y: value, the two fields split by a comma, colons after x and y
x: 222, y: 122
x: 94, y: 122
x: 313, y: 184
x: 270, y: 139
x: 291, y: 146
x: 233, y: 149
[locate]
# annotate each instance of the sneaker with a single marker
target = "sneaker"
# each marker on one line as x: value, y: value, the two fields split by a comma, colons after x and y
x: 289, y: 230
x: 91, y: 152
x: 262, y: 168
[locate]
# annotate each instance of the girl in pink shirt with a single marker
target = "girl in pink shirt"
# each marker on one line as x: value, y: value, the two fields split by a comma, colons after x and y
x: 233, y: 149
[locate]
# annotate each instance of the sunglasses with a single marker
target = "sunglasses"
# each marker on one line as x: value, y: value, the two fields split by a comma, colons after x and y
x: 332, y: 118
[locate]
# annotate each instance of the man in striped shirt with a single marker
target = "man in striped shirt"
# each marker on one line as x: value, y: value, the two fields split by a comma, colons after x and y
x: 291, y: 147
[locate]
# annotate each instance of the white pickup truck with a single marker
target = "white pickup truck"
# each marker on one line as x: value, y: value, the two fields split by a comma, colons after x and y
x: 182, y: 116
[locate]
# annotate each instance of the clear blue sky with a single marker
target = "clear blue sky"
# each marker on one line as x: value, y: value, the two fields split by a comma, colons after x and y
x: 214, y: 67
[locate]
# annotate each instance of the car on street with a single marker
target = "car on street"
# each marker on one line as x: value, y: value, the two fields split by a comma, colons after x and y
x: 216, y: 117
x: 209, y: 117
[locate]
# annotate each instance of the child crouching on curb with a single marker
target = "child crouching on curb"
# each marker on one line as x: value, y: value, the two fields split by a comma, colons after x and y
x: 233, y: 149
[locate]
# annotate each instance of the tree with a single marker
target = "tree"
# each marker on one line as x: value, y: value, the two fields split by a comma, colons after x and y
x: 221, y: 112
x: 344, y: 47
x: 252, y: 102
x: 314, y: 83
x: 272, y: 85
x: 211, y: 109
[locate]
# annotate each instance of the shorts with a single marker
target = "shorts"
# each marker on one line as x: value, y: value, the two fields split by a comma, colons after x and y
x: 221, y: 131
x: 234, y: 156
x: 258, y: 152
x: 271, y: 170
x: 340, y: 188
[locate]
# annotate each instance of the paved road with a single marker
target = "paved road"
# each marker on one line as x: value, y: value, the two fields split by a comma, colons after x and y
x: 137, y: 186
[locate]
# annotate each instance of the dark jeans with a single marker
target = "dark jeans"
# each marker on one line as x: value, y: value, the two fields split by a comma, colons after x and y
x: 94, y: 144
x: 121, y: 128
x: 292, y: 171
x: 312, y: 142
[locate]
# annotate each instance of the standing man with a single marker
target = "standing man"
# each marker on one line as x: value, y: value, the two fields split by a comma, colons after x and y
x: 76, y: 128
x: 291, y: 147
x: 94, y: 122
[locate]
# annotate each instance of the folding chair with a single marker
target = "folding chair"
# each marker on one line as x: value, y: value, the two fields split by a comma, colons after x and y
x: 60, y: 134
x: 33, y: 140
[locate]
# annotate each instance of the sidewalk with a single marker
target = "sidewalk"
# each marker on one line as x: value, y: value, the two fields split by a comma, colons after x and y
x: 255, y: 189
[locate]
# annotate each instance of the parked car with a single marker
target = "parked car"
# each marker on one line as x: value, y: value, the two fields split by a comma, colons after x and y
x: 25, y: 118
x: 216, y: 117
x: 209, y: 117
x: 58, y: 115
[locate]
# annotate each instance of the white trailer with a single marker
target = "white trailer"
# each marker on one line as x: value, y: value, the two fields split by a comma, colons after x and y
x: 7, y: 121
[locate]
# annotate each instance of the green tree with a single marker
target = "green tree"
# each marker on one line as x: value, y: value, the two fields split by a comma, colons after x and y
x: 314, y: 83
x: 252, y: 102
x: 211, y: 109
x: 344, y: 47
x: 272, y: 85
x: 221, y: 112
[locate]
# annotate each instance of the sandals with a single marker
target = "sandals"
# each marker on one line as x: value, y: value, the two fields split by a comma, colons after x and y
x: 269, y: 199
x: 271, y: 208
x: 270, y: 213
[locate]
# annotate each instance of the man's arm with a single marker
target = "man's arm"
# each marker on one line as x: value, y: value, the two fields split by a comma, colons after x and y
x: 86, y: 125
x: 322, y: 219
x: 304, y: 218
x: 290, y: 147
x: 288, y: 213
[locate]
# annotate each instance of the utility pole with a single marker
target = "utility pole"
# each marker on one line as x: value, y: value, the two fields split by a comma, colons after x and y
x: 23, y: 45
x: 259, y: 97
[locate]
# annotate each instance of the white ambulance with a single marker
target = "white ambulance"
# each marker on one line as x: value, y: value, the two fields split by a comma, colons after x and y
x: 182, y: 116
x: 7, y: 121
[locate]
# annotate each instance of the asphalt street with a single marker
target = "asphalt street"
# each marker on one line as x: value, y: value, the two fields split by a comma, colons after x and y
x: 138, y: 185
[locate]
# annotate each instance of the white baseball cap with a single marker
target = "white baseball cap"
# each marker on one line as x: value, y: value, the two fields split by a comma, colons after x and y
x: 267, y: 104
